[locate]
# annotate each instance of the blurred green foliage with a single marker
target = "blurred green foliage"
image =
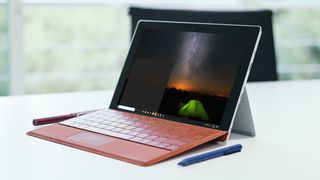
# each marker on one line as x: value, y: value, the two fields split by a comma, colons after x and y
x: 297, y: 39
x: 3, y: 51
x: 72, y: 48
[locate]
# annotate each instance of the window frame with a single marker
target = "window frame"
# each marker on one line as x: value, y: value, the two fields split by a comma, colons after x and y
x: 15, y: 56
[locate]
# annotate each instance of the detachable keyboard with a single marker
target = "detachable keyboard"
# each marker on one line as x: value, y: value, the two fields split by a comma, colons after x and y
x: 147, y: 130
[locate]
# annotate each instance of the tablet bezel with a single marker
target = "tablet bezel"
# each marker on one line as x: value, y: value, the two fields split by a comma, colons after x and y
x: 253, y: 33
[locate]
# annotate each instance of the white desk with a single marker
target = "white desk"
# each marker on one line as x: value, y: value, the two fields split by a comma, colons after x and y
x: 287, y: 122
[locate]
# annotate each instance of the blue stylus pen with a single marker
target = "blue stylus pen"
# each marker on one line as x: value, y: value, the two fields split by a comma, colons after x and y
x: 212, y: 154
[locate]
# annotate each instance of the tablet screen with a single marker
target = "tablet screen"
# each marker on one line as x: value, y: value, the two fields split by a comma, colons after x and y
x: 183, y: 75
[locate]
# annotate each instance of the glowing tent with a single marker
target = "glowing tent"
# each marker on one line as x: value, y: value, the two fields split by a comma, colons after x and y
x: 193, y: 109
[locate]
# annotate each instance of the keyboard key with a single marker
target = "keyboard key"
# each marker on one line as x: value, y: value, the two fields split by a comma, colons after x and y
x: 161, y: 139
x: 128, y: 122
x: 95, y: 124
x: 122, y: 125
x: 114, y: 124
x: 116, y: 134
x: 125, y: 131
x: 101, y: 126
x: 136, y: 139
x: 134, y: 133
x: 153, y: 143
x: 108, y: 127
x: 121, y: 120
x: 144, y: 140
x: 116, y: 129
x: 143, y: 135
x: 151, y: 137
x: 129, y: 127
x: 138, y: 129
x: 105, y: 122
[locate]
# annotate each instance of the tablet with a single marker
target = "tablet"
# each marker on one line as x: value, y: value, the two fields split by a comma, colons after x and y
x: 187, y: 72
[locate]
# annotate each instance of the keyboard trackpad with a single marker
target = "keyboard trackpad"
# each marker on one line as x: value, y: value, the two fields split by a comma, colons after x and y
x: 90, y: 139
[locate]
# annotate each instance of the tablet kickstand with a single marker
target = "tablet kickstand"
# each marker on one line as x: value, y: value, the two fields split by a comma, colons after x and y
x: 243, y: 121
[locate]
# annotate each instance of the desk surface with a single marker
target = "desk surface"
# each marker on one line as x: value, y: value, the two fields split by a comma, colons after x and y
x: 286, y: 116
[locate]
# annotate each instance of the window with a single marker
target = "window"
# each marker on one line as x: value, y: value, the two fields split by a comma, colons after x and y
x: 81, y: 45
x: 297, y: 38
x: 4, y: 79
x: 83, y: 50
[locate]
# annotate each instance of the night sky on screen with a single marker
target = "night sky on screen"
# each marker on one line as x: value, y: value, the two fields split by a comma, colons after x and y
x: 205, y: 63
x: 201, y: 62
